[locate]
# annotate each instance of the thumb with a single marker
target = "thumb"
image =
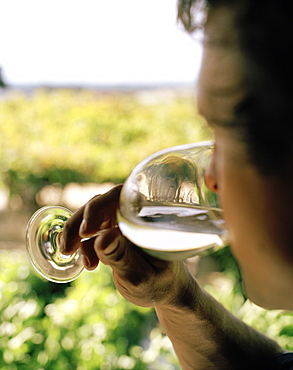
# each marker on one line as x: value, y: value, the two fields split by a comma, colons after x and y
x: 100, y: 212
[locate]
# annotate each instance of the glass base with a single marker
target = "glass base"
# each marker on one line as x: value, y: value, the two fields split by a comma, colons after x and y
x: 42, y: 240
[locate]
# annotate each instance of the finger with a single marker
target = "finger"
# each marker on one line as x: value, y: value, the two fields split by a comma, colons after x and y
x: 70, y: 239
x: 100, y: 212
x: 90, y: 258
x: 141, y: 279
x: 126, y: 259
x: 110, y: 246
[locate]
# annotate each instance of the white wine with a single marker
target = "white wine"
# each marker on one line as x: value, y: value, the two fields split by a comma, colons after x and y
x: 174, y: 232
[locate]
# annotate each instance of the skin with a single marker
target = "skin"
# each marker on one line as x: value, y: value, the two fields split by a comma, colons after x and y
x: 255, y: 221
x: 257, y: 208
x: 208, y: 336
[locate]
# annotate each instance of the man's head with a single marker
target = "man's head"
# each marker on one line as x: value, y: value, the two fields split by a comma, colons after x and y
x: 263, y: 117
x: 246, y: 100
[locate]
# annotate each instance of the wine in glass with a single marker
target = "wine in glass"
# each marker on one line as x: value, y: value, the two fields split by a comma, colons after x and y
x: 165, y: 208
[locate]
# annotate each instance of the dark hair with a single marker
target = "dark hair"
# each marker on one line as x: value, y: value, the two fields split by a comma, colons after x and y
x: 265, y: 115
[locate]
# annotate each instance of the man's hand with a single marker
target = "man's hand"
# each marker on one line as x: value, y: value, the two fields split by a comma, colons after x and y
x: 140, y: 278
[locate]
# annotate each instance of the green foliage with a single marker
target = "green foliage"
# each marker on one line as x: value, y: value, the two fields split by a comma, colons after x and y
x: 84, y: 325
x: 229, y: 266
x: 83, y: 136
x: 87, y: 325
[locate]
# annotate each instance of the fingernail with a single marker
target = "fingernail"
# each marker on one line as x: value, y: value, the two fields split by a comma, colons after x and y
x: 83, y: 226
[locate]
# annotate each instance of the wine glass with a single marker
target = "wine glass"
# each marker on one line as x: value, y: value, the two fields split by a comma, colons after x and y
x: 165, y: 208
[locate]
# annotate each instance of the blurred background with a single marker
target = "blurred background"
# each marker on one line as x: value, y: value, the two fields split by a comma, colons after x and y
x: 95, y: 43
x: 89, y: 89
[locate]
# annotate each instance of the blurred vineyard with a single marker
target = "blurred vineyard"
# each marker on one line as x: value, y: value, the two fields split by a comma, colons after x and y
x: 62, y: 136
x: 58, y: 137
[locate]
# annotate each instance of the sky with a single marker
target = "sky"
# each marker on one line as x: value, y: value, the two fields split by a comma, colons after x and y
x: 95, y: 42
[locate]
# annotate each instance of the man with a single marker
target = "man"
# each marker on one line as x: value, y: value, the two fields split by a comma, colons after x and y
x: 239, y: 95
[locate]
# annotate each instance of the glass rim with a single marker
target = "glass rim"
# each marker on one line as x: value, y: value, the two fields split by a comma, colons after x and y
x: 197, y: 144
x: 206, y: 144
